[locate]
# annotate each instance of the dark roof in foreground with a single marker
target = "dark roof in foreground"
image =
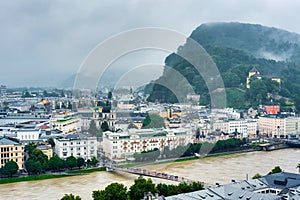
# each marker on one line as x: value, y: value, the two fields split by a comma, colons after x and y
x: 284, y: 185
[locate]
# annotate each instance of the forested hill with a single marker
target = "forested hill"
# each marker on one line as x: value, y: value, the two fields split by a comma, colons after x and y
x: 257, y: 40
x: 236, y: 48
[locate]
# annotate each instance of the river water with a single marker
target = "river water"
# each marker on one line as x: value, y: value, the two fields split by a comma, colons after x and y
x: 210, y: 170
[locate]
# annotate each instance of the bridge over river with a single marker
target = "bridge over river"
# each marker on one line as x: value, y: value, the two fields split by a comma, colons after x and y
x: 143, y: 172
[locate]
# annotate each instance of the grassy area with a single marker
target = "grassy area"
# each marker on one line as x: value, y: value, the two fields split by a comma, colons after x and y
x: 86, y: 171
x: 50, y: 176
x: 30, y: 178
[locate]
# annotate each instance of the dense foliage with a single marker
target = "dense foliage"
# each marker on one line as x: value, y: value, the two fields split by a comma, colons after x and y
x: 190, y: 150
x: 10, y: 168
x: 142, y: 186
x: 276, y: 169
x: 70, y: 197
x: 153, y: 121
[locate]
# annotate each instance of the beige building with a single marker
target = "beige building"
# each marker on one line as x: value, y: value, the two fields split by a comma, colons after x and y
x: 122, y: 145
x: 279, y: 127
x: 11, y: 150
x: 46, y: 149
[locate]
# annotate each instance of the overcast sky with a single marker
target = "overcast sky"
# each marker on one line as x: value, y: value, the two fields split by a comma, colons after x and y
x: 42, y: 43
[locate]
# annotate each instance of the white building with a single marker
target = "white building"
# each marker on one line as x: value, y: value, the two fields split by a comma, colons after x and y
x: 246, y: 127
x: 122, y: 145
x: 28, y: 134
x: 77, y: 145
x: 68, y: 125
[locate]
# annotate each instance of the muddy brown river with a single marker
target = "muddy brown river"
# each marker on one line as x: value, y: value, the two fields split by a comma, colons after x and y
x: 212, y: 170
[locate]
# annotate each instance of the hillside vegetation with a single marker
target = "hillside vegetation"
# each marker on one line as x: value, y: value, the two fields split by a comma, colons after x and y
x: 236, y: 48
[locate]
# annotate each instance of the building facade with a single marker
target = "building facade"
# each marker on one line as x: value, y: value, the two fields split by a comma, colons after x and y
x: 279, y: 127
x: 77, y: 145
x: 69, y: 125
x: 11, y: 150
x: 123, y: 145
x: 247, y: 128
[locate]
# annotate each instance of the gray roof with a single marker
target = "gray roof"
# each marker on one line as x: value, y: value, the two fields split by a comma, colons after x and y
x: 282, y: 180
x: 7, y: 141
x: 288, y: 183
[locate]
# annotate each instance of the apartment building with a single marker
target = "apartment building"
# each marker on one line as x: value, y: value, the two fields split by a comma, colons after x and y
x: 11, y: 150
x: 77, y: 145
x: 279, y: 127
x: 122, y: 145
x: 247, y: 128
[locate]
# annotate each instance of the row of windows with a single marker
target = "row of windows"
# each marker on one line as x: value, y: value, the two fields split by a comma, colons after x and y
x: 6, y: 149
x: 78, y: 154
x: 3, y: 161
x: 72, y: 143
x: 29, y: 137
x: 77, y: 148
x: 6, y: 155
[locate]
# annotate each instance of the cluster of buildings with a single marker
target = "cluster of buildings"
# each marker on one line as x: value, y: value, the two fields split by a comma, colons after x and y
x: 255, y: 73
x: 34, y: 117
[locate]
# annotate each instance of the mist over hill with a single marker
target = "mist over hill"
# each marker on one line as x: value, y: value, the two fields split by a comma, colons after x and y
x: 236, y: 48
x: 257, y: 40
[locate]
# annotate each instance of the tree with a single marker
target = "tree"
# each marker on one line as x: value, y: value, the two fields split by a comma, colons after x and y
x: 109, y: 95
x: 38, y: 156
x: 256, y: 176
x: 70, y: 197
x: 93, y: 130
x: 163, y: 189
x: 111, y: 192
x: 71, y: 162
x: 153, y: 121
x: 10, y: 168
x: 104, y: 126
x: 33, y: 167
x: 94, y: 161
x: 30, y: 147
x: 51, y: 142
x: 141, y: 186
x: 257, y: 93
x: 80, y: 162
x: 276, y: 169
x: 55, y: 163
